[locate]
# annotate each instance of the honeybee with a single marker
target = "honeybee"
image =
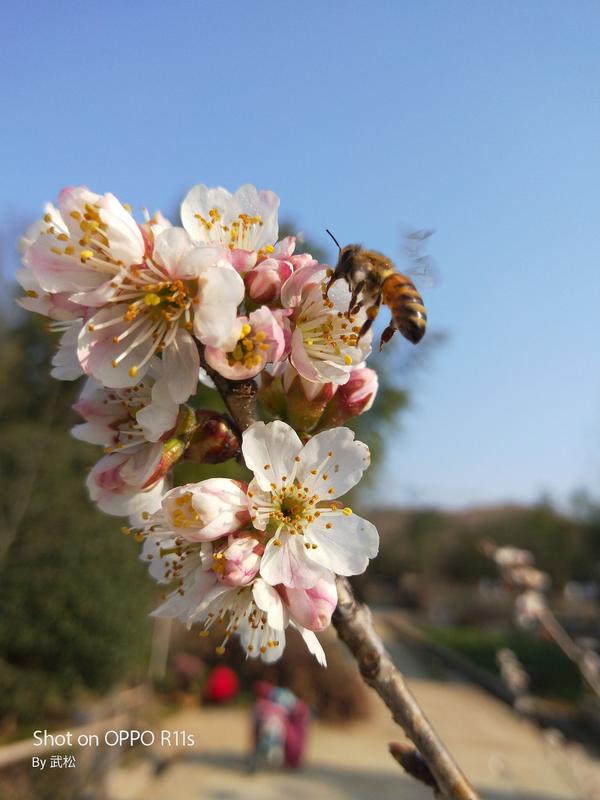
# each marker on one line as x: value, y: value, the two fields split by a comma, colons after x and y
x: 373, y: 279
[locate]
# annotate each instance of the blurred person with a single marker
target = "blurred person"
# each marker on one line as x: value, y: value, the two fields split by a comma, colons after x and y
x: 280, y: 727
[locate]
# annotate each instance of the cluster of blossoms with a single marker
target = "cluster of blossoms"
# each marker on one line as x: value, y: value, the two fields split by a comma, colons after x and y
x: 146, y: 311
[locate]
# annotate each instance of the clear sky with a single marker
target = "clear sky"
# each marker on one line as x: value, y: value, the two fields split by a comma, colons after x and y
x: 481, y: 120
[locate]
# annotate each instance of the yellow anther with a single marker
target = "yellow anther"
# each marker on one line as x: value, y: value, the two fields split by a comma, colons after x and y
x: 133, y: 371
x: 246, y: 329
x: 31, y: 293
x: 347, y: 511
x: 219, y: 650
x: 85, y: 255
x: 347, y: 360
x: 204, y: 634
x: 151, y: 299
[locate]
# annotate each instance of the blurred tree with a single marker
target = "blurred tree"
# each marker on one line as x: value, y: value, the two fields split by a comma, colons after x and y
x: 74, y: 598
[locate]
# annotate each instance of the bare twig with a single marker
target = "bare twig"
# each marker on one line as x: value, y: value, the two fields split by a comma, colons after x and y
x: 413, y: 763
x: 353, y: 623
x: 355, y: 627
x: 586, y: 660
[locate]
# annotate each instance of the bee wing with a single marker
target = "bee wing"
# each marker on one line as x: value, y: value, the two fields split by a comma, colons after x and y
x: 419, y: 265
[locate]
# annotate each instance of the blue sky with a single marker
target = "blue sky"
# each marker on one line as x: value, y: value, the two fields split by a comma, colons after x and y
x: 481, y: 120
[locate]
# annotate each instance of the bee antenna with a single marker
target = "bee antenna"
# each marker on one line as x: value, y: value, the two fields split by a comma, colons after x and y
x: 333, y: 237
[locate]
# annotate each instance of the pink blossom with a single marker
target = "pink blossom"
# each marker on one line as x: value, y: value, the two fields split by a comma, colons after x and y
x: 265, y: 280
x: 312, y: 607
x: 81, y: 245
x: 201, y: 512
x: 264, y: 339
x: 128, y: 483
x: 156, y: 308
x: 246, y: 219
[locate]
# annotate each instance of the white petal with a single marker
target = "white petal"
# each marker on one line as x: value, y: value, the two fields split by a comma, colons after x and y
x: 160, y: 415
x: 269, y: 451
x: 346, y: 547
x: 182, y: 363
x: 267, y: 599
x: 199, y: 200
x: 170, y: 248
x: 340, y: 471
x: 215, y: 319
x: 289, y: 563
x: 92, y: 433
x: 313, y: 644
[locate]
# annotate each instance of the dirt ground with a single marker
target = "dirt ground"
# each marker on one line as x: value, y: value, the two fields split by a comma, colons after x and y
x: 503, y: 755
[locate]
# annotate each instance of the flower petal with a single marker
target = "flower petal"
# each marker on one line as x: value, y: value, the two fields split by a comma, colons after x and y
x: 182, y: 364
x: 346, y: 547
x: 313, y: 644
x: 269, y: 451
x: 215, y: 320
x: 267, y: 599
x: 339, y: 471
x: 288, y: 563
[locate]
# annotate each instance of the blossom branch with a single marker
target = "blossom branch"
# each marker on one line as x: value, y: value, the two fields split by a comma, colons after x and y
x: 238, y: 396
x: 354, y: 626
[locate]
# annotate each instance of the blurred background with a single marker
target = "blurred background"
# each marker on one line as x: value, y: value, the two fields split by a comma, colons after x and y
x: 481, y: 121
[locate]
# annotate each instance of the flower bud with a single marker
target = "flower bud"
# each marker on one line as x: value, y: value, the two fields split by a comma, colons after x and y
x: 186, y: 421
x: 264, y: 282
x: 312, y: 608
x: 306, y: 402
x: 526, y: 577
x: 214, y: 440
x: 529, y: 606
x: 239, y: 563
x: 171, y: 453
x: 512, y: 557
x: 352, y: 398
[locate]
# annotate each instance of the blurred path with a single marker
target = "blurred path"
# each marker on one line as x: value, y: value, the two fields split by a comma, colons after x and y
x: 504, y: 756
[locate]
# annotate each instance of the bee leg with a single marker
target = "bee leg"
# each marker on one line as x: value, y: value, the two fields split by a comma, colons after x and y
x: 332, y: 279
x: 354, y: 306
x: 371, y: 316
x: 387, y: 335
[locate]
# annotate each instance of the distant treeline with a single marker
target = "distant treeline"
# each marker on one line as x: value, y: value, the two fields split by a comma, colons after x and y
x: 444, y: 545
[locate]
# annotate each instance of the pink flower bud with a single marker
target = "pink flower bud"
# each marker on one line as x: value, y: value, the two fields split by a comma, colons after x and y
x: 264, y: 282
x: 171, y: 453
x: 238, y: 564
x: 352, y: 398
x: 359, y: 393
x: 312, y: 608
